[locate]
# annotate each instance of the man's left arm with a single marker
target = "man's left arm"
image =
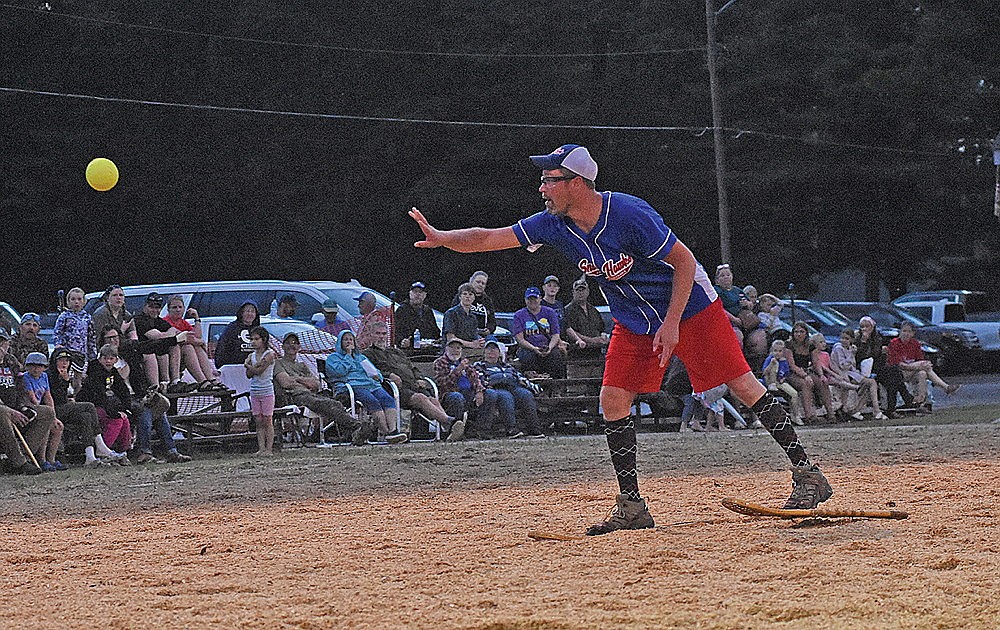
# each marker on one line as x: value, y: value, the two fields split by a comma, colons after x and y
x: 684, y: 264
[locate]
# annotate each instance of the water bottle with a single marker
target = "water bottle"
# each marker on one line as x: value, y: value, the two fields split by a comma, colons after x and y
x: 274, y: 308
x: 416, y: 339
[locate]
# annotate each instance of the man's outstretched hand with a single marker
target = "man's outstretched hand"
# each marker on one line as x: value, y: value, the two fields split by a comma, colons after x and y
x: 432, y: 236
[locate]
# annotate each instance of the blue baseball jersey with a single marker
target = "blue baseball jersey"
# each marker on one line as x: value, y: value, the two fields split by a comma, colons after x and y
x: 625, y: 252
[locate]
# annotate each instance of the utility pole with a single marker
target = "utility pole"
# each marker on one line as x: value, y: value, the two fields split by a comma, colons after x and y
x: 720, y: 156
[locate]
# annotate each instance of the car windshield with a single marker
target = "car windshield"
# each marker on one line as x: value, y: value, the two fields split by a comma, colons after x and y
x: 822, y: 314
x: 904, y: 315
x: 348, y: 305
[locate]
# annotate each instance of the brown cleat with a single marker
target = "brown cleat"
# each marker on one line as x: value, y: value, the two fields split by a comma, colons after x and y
x: 627, y: 514
x: 809, y: 488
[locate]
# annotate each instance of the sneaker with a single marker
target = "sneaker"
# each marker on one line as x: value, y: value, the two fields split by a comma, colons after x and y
x: 48, y: 467
x: 27, y: 468
x: 396, y: 438
x: 797, y: 421
x: 457, y: 431
x: 857, y: 415
x: 60, y: 466
x: 361, y: 434
x: 809, y: 488
x: 177, y: 458
x: 756, y: 424
x: 146, y: 458
x: 627, y: 514
x: 881, y: 416
x: 515, y: 434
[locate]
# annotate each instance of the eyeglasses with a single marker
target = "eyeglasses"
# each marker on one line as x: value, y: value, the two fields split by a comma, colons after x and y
x: 553, y: 180
x: 31, y: 317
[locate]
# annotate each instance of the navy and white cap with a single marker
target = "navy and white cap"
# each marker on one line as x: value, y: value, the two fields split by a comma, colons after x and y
x: 531, y: 292
x: 572, y: 157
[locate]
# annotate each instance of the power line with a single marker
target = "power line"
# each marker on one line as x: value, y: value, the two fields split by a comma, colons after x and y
x: 347, y: 49
x: 697, y: 130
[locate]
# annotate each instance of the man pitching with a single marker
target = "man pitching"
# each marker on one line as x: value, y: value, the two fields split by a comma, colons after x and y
x: 663, y: 304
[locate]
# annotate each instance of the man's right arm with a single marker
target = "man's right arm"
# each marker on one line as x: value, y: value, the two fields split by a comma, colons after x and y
x: 466, y: 240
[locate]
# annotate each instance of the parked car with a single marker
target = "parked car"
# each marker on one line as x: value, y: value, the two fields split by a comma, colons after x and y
x: 954, y: 309
x: 831, y: 323
x: 10, y: 319
x: 960, y: 348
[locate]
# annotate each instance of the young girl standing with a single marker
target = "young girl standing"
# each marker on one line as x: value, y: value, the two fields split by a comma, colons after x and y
x: 260, y: 370
x: 74, y: 329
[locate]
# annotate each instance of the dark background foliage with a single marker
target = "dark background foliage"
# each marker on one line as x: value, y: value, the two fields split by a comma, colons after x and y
x: 873, y: 125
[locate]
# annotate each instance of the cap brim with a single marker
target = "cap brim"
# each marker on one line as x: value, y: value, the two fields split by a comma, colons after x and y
x: 546, y: 162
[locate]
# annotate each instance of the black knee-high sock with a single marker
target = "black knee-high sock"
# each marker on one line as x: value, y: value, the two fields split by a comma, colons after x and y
x: 778, y: 423
x: 621, y: 443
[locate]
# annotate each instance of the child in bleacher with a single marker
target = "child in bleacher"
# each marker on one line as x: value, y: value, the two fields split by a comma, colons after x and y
x: 36, y: 391
x: 776, y: 370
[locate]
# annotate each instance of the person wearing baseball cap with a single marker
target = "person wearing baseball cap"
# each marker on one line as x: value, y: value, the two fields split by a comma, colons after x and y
x: 413, y: 315
x: 26, y: 339
x: 663, y: 304
x: 330, y: 323
x: 550, y: 289
x: 35, y: 421
x: 536, y: 330
x: 368, y: 316
x: 582, y: 324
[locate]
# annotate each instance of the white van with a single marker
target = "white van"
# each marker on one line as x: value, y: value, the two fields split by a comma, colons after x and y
x: 223, y: 298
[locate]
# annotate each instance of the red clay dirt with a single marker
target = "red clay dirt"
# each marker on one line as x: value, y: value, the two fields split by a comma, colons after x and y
x: 434, y: 535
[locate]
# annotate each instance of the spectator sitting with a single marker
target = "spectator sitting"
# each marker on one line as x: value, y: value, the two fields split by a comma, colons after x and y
x: 37, y: 394
x: 158, y: 343
x: 849, y: 377
x: 822, y: 370
x: 194, y: 353
x: 776, y: 370
x: 34, y: 430
x: 460, y: 322
x: 550, y: 289
x: 414, y: 392
x: 234, y: 344
x: 330, y: 324
x: 536, y: 329
x: 362, y: 325
x: 287, y: 306
x: 461, y: 390
x: 905, y: 353
x: 711, y: 400
x: 80, y: 418
x: 482, y: 304
x: 870, y: 345
x: 105, y: 387
x: 347, y: 366
x: 113, y: 313
x: 294, y: 383
x: 732, y: 298
x: 512, y: 393
x: 74, y: 329
x: 150, y: 408
x: 756, y: 340
x: 415, y: 315
x: 583, y: 323
x: 798, y: 351
x: 26, y: 339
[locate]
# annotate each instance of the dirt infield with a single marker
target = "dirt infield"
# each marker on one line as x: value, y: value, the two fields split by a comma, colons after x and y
x: 434, y: 535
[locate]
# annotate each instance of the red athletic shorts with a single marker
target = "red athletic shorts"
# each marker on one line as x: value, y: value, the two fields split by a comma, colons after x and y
x: 707, y: 346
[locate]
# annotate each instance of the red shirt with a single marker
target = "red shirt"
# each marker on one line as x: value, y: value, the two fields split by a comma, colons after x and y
x: 903, y: 351
x: 180, y: 323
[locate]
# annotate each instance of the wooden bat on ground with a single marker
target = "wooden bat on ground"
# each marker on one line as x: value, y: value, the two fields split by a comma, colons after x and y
x: 24, y: 444
x: 752, y: 509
